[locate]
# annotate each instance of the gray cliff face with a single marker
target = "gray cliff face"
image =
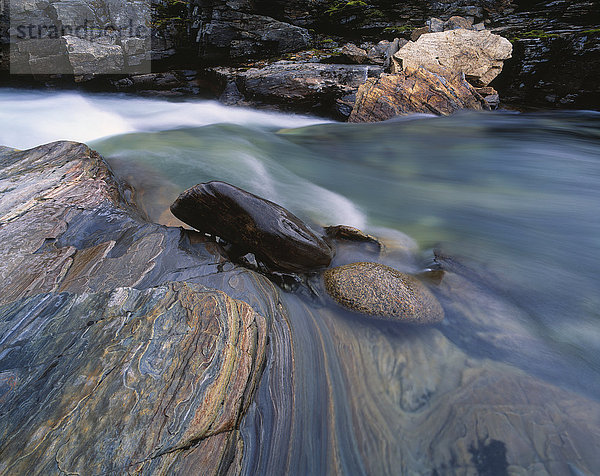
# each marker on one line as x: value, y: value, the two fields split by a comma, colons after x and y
x: 555, y: 44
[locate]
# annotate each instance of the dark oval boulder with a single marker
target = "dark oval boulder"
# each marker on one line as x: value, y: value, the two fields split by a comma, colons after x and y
x: 383, y: 292
x: 252, y: 224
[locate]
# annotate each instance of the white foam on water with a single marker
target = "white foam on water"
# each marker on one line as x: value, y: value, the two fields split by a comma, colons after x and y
x: 31, y: 118
x: 267, y: 178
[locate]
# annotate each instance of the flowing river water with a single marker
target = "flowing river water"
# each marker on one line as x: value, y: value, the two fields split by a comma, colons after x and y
x: 512, y: 200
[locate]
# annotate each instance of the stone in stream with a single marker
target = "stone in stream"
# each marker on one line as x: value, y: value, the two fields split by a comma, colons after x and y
x: 253, y: 225
x: 349, y: 233
x: 414, y: 90
x: 381, y: 291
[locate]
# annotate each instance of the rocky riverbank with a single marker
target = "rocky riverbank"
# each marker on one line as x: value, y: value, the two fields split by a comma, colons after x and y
x: 312, y: 56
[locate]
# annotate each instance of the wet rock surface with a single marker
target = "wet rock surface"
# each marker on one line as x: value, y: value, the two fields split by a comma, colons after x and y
x: 414, y: 91
x: 445, y: 410
x: 253, y: 225
x: 118, y: 353
x: 310, y: 87
x: 380, y: 291
x: 126, y: 380
x: 108, y: 362
x: 349, y: 233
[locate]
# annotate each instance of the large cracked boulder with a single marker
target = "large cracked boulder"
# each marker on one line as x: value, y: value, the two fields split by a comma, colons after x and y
x: 479, y: 55
x: 414, y: 90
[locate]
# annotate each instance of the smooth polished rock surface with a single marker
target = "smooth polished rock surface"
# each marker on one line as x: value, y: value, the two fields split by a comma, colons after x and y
x: 380, y: 291
x: 109, y: 363
x: 254, y: 225
x: 124, y: 380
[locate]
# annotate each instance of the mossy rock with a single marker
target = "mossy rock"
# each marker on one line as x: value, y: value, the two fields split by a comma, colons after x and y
x: 382, y: 292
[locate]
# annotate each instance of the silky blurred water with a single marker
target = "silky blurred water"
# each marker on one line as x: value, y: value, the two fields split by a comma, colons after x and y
x: 515, y: 198
x: 515, y: 195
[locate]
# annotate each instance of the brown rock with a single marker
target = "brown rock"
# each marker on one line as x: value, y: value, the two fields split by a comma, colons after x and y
x: 490, y: 96
x: 416, y: 34
x: 381, y: 291
x: 413, y: 91
x: 345, y: 232
x: 478, y: 54
x: 354, y: 54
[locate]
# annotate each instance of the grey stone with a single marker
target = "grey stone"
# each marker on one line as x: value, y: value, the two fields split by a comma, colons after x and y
x: 354, y: 54
x: 380, y: 291
x: 435, y: 25
x: 456, y: 22
x: 88, y: 57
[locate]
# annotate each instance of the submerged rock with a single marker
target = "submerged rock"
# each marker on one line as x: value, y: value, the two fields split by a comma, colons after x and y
x: 479, y: 55
x: 381, y: 291
x: 414, y: 91
x: 252, y: 225
x: 345, y: 232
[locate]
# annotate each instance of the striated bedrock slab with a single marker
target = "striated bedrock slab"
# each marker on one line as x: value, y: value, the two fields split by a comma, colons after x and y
x: 479, y: 55
x: 414, y: 90
x: 109, y: 362
x: 124, y: 380
x: 62, y: 215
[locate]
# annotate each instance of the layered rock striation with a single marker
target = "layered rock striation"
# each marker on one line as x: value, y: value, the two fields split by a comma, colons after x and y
x: 115, y: 355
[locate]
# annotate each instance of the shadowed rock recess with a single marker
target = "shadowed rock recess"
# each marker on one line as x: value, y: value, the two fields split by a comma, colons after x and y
x: 128, y: 347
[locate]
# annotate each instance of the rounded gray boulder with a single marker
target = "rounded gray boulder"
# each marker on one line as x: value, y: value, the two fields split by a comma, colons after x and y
x: 382, y: 292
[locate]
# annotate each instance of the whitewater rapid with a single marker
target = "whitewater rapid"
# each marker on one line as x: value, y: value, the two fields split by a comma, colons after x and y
x: 30, y: 118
